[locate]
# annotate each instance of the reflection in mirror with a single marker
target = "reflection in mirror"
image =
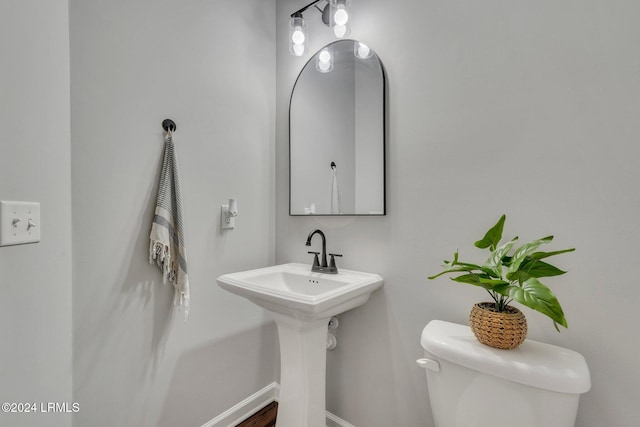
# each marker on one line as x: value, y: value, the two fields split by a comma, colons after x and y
x: 337, y: 133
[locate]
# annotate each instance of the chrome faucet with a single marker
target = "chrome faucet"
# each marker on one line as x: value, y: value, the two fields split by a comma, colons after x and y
x: 322, y: 267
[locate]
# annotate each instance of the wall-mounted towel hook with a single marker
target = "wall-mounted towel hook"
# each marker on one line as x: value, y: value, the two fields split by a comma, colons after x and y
x: 169, y: 124
x: 333, y: 165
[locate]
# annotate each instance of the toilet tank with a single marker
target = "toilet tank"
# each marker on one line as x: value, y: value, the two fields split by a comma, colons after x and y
x: 474, y: 385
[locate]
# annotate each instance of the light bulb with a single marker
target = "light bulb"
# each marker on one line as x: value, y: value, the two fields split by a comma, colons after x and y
x: 298, y: 36
x: 363, y: 51
x: 324, y: 56
x: 340, y: 30
x: 324, y: 66
x: 298, y: 49
x: 340, y: 17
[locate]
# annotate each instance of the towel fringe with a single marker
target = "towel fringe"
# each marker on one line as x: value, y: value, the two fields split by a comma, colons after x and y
x: 160, y: 254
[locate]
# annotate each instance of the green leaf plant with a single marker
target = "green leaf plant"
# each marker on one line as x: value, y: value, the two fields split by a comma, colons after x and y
x: 509, y: 276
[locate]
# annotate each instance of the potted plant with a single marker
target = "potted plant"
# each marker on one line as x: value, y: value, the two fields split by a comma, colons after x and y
x: 508, y: 276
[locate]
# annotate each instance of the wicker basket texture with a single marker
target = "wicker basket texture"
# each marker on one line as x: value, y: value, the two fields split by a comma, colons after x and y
x: 505, y: 330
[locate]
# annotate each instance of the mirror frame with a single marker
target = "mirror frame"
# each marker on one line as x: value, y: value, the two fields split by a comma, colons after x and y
x: 384, y: 138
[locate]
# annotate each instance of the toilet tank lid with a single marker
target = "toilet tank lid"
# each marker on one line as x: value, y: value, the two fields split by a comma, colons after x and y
x: 533, y: 363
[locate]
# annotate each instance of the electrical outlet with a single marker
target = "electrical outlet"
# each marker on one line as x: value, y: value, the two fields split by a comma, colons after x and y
x: 19, y: 222
x: 227, y: 221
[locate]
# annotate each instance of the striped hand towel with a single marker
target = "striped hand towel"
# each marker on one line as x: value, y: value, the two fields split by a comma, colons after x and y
x: 167, y: 248
x: 335, y: 193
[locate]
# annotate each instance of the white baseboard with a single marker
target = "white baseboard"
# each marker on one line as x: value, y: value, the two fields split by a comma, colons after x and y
x: 334, y: 421
x: 258, y: 400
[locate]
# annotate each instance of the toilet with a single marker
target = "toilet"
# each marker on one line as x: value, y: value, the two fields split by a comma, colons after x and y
x: 473, y: 385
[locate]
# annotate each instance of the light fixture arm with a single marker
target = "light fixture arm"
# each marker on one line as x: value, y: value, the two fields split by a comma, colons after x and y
x: 298, y: 13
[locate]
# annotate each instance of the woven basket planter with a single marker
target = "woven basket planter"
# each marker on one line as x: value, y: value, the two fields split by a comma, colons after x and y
x: 504, y: 330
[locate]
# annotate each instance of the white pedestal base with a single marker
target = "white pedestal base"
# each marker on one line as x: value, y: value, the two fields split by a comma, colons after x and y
x: 303, y: 366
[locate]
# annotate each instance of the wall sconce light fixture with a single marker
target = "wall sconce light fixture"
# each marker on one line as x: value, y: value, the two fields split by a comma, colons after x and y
x: 335, y: 14
x: 297, y: 34
x: 340, y: 17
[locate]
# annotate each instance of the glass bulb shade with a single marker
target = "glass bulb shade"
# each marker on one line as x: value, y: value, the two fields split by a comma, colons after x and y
x: 324, y: 67
x: 324, y: 56
x: 341, y: 31
x: 340, y: 17
x: 297, y: 35
x: 362, y: 51
x: 324, y: 63
x: 339, y: 12
x: 297, y: 49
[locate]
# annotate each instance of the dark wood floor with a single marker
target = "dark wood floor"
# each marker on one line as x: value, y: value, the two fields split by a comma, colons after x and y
x: 265, y: 417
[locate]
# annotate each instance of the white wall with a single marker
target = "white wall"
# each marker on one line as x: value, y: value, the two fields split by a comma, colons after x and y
x: 524, y: 108
x: 210, y: 67
x: 35, y: 308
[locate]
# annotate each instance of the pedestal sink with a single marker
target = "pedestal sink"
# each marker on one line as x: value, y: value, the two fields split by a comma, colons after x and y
x: 302, y: 302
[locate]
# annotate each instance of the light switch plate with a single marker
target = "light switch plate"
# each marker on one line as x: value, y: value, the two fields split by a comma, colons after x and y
x: 19, y: 222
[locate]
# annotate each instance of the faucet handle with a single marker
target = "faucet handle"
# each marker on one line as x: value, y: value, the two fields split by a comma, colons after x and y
x: 332, y: 262
x: 316, y: 262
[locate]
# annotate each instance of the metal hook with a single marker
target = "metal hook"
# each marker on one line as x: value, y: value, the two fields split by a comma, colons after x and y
x: 169, y: 125
x: 333, y: 165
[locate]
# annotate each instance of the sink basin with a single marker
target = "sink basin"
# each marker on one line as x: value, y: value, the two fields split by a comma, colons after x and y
x: 301, y: 303
x: 293, y: 290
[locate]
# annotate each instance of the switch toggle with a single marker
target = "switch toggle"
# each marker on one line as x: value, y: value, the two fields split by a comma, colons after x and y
x: 14, y: 230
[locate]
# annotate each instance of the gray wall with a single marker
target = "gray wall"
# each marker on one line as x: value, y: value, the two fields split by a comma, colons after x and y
x: 524, y: 108
x: 35, y: 307
x: 209, y: 66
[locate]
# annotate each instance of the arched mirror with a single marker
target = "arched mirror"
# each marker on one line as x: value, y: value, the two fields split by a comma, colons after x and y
x: 337, y: 133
